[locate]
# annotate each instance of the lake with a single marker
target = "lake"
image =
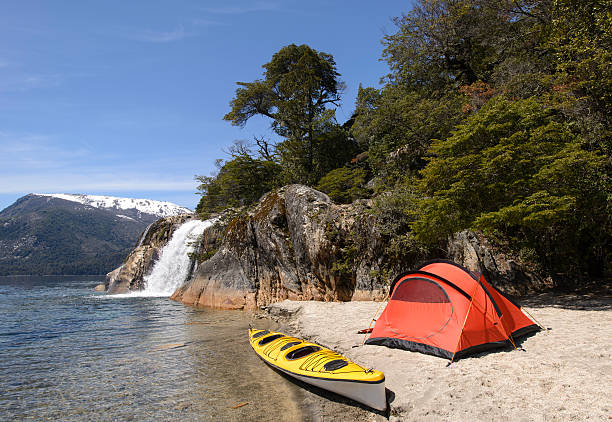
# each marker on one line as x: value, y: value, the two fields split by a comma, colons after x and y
x: 68, y: 353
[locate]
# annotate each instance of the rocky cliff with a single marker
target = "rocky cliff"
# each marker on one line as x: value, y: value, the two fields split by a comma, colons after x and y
x: 295, y: 243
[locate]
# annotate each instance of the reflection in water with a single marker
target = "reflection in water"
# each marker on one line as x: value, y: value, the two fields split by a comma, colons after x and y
x: 68, y: 354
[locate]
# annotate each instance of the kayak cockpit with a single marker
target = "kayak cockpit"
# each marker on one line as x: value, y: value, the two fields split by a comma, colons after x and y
x: 301, y: 352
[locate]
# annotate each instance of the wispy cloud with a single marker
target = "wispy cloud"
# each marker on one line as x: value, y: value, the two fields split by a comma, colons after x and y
x: 17, y: 143
x: 20, y: 82
x: 26, y: 152
x: 204, y: 22
x: 32, y: 162
x: 177, y: 34
x: 88, y: 182
x: 237, y: 10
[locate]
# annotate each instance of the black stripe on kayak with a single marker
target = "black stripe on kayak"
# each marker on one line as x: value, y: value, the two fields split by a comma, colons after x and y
x: 316, y: 378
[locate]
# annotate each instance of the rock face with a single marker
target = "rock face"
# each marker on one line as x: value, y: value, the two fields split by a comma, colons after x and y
x: 474, y: 251
x: 294, y: 244
x: 130, y: 275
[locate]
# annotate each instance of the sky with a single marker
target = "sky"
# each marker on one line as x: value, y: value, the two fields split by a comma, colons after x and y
x: 127, y: 98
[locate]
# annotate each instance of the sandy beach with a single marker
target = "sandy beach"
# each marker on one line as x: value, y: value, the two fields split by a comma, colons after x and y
x: 563, y: 373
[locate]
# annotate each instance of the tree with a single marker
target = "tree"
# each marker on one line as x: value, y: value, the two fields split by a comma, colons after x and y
x: 516, y: 170
x: 240, y: 181
x: 445, y: 41
x: 581, y: 39
x: 398, y: 123
x: 298, y: 86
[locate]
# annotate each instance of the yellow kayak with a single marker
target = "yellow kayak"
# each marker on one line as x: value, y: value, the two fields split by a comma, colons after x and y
x: 320, y: 367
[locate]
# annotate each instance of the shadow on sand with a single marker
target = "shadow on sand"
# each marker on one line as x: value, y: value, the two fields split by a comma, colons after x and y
x: 596, y: 299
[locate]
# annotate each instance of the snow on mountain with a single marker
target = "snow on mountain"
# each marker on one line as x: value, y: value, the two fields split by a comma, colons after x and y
x: 147, y: 206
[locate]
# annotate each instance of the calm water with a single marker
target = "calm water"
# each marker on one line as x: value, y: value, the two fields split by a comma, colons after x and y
x: 67, y: 353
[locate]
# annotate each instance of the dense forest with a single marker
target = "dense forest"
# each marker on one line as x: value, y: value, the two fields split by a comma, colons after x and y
x: 494, y: 116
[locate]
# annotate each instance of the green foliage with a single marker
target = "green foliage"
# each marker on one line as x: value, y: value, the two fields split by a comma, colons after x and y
x: 345, y: 184
x: 395, y: 211
x: 299, y: 83
x: 581, y: 38
x: 446, y: 42
x: 495, y: 116
x: 332, y: 148
x: 366, y: 106
x: 240, y: 181
x: 398, y: 124
x: 345, y: 264
x: 348, y: 249
x: 514, y: 170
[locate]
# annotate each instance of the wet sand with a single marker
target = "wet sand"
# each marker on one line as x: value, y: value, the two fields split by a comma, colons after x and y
x: 562, y: 374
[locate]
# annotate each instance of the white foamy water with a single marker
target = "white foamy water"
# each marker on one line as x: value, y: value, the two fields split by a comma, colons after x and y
x: 172, y: 268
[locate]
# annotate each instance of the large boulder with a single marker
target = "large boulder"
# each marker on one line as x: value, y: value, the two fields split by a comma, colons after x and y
x: 473, y: 251
x: 294, y: 244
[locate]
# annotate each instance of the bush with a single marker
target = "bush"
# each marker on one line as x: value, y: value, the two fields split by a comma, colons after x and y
x: 345, y: 184
x: 241, y: 181
x: 514, y: 169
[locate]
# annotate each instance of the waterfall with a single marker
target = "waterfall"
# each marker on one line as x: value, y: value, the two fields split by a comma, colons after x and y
x: 173, y: 266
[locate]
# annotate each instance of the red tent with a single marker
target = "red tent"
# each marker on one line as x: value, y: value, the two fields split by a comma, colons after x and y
x: 445, y: 310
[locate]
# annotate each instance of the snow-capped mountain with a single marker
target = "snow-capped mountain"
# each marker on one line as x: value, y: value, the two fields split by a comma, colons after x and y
x: 74, y: 234
x: 147, y: 206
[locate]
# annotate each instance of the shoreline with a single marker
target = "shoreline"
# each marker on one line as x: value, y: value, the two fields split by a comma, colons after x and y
x: 53, y: 275
x: 561, y: 373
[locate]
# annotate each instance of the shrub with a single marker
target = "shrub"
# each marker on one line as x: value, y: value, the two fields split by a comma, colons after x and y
x: 344, y: 184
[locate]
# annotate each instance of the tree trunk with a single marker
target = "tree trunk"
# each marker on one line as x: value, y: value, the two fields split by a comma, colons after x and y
x: 310, y: 146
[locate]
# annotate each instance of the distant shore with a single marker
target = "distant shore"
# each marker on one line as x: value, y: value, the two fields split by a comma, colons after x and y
x: 562, y: 373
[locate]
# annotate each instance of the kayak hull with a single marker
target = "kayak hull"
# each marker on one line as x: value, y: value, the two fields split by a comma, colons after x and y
x: 316, y: 368
x: 372, y: 395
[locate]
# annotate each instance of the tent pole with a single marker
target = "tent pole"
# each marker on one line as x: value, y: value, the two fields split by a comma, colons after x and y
x: 373, y: 319
x: 463, y: 326
x: 512, y: 341
x: 505, y: 332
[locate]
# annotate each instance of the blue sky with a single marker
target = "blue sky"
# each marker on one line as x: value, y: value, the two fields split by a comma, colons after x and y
x: 126, y: 98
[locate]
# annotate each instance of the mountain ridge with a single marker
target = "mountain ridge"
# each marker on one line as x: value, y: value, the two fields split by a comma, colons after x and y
x: 147, y: 206
x: 45, y: 234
